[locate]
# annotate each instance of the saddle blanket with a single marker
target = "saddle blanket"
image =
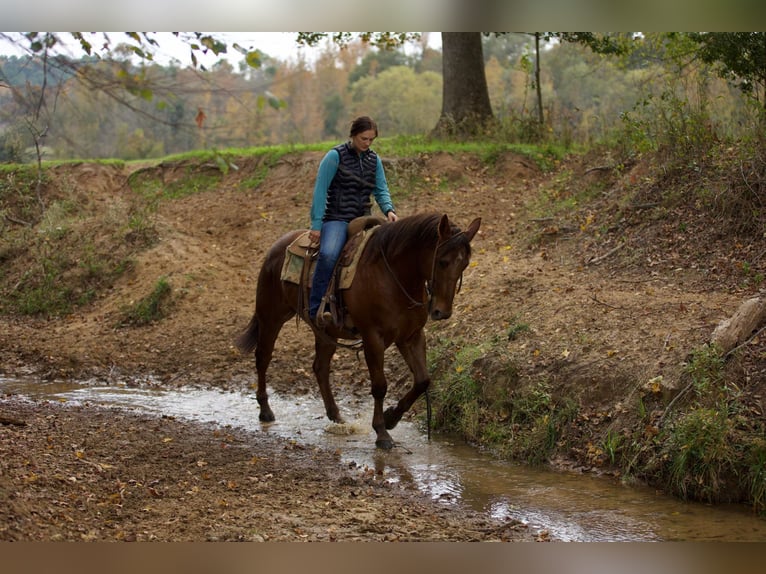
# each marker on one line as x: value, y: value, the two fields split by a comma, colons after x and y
x: 301, y: 250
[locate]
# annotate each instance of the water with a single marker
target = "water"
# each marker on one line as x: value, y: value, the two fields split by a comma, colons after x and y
x: 571, y: 507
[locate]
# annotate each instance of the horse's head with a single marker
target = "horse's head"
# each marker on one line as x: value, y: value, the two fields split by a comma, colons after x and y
x: 453, y: 253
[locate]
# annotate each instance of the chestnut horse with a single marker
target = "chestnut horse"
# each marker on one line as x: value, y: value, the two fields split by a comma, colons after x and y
x: 409, y: 270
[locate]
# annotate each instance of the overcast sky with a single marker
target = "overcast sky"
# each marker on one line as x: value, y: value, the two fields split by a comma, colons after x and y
x: 280, y: 45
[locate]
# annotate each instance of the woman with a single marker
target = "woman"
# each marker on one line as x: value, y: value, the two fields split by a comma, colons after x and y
x: 347, y: 175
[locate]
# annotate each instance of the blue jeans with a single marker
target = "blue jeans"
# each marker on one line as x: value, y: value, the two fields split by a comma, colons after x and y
x: 331, y: 242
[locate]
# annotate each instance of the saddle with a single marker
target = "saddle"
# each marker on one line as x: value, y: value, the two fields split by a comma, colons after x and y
x: 300, y: 260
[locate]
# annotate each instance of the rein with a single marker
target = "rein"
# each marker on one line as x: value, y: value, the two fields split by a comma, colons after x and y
x: 429, y: 284
x: 413, y: 303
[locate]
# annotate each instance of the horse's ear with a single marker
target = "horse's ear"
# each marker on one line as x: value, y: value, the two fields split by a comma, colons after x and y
x: 445, y: 228
x: 472, y: 229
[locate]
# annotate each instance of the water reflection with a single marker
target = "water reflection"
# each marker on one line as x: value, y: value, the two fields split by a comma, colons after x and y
x: 570, y: 507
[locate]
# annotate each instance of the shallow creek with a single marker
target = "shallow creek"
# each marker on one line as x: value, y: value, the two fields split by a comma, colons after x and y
x: 571, y: 507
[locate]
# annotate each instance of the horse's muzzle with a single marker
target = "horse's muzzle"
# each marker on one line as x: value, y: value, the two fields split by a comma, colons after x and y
x: 439, y: 315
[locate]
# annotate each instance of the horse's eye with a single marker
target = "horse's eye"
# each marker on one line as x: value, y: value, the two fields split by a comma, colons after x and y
x: 443, y: 263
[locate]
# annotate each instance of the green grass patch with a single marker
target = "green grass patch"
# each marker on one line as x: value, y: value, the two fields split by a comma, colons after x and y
x: 700, y: 454
x: 478, y: 394
x: 41, y: 291
x: 149, y: 308
x: 705, y: 371
x: 153, y: 190
x: 755, y: 477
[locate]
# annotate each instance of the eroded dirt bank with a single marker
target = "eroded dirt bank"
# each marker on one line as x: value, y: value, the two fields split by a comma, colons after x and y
x: 607, y: 303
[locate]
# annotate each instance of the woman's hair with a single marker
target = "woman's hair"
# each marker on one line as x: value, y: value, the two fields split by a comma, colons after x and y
x: 362, y: 124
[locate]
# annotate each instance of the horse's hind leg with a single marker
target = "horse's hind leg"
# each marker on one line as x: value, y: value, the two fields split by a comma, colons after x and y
x: 263, y: 354
x: 325, y: 350
x: 269, y: 326
x: 255, y: 339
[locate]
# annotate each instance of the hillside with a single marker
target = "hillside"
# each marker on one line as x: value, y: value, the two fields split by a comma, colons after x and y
x: 591, y: 291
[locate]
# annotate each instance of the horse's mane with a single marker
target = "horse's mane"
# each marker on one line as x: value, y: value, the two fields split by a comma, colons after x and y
x: 421, y: 230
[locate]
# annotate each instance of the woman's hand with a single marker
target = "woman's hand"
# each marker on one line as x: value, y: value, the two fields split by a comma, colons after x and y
x: 391, y: 216
x: 314, y: 235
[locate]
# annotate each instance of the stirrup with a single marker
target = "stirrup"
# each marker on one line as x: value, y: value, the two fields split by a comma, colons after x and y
x: 323, y: 319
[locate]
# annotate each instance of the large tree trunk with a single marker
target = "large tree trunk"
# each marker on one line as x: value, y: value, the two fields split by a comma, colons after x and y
x: 466, y: 110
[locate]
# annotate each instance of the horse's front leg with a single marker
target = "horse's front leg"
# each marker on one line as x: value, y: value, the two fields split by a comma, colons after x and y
x: 373, y: 353
x: 325, y: 349
x: 414, y: 352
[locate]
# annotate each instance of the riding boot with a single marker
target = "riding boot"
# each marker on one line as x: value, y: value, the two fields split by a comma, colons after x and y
x: 323, y: 319
x: 325, y: 315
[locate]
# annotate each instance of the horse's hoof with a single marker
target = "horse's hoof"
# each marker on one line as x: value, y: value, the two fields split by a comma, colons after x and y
x: 335, y: 417
x: 390, y: 418
x: 384, y: 443
x: 266, y: 417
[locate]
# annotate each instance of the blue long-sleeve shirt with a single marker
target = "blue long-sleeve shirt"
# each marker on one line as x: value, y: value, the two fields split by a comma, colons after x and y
x: 328, y: 167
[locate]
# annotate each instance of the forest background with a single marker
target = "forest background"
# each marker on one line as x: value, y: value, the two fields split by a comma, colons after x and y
x: 138, y: 110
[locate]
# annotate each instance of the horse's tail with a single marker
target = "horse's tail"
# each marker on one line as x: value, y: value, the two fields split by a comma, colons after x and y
x: 248, y: 340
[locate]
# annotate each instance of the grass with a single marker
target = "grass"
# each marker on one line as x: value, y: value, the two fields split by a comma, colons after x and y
x: 612, y: 446
x: 701, y: 455
x: 150, y: 308
x: 755, y: 478
x: 457, y: 394
x: 709, y: 448
x: 478, y: 394
x: 516, y: 330
x: 705, y: 370
x: 43, y: 292
x: 58, y: 252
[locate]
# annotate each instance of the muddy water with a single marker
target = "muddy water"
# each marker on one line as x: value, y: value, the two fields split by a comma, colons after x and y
x: 571, y: 507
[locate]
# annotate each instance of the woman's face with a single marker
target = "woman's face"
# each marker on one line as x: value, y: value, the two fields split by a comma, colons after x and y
x: 363, y: 140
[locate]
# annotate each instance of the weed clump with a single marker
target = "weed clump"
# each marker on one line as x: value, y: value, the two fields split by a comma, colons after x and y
x: 150, y: 308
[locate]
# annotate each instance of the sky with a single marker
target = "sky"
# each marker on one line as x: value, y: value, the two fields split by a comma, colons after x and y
x: 279, y: 45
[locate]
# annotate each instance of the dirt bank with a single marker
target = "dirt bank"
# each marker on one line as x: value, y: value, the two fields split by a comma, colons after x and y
x: 607, y: 304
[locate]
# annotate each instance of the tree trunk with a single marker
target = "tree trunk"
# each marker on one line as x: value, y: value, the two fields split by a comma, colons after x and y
x: 540, y: 117
x: 466, y: 110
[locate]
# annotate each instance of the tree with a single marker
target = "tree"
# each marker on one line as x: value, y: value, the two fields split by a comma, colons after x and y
x: 122, y: 80
x: 740, y: 57
x: 402, y: 100
x: 600, y: 44
x: 466, y: 110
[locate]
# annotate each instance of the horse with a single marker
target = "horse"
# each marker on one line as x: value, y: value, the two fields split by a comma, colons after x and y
x: 409, y: 270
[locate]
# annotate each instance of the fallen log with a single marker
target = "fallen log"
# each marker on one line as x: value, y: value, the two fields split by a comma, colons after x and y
x: 738, y: 328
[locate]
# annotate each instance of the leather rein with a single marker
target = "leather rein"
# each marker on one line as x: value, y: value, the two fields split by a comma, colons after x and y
x: 430, y: 282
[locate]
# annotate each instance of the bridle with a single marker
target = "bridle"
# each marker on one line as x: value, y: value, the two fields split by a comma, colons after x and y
x: 430, y: 282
